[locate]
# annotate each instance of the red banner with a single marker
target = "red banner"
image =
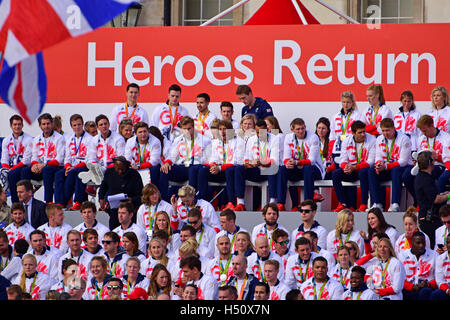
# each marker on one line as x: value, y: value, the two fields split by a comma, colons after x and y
x: 280, y: 63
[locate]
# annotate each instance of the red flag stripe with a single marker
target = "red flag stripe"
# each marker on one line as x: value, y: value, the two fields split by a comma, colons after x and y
x: 42, y: 17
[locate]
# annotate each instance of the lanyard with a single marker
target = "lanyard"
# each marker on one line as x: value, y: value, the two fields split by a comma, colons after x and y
x: 303, y: 276
x: 359, y: 155
x: 97, y: 297
x: 151, y: 215
x: 346, y: 239
x: 262, y: 155
x: 428, y: 143
x: 75, y: 143
x: 389, y: 152
x: 321, y: 150
x: 321, y: 290
x: 224, y: 153
x: 406, y: 245
x: 189, y: 152
x: 132, y: 114
x: 372, y: 116
x: 1, y: 263
x: 173, y: 119
x: 344, y: 129
x: 260, y: 271
x: 301, y: 151
x: 342, y: 278
x: 222, y: 269
x: 201, y: 235
x: 33, y: 283
x: 112, y: 271
x: 128, y: 286
x: 201, y: 120
x: 383, y: 272
x: 241, y: 293
x: 232, y: 240
x: 358, y: 297
x: 141, y: 154
x: 79, y: 256
x: 267, y: 235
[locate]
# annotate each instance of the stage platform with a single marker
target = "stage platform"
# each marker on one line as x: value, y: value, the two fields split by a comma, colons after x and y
x: 290, y: 220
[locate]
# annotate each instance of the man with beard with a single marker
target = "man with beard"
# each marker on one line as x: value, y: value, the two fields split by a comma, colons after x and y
x: 270, y: 214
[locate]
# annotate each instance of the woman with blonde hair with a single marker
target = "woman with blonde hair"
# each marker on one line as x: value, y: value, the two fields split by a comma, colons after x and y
x: 377, y: 109
x: 36, y: 283
x: 343, y: 232
x: 160, y: 282
x: 97, y: 289
x: 126, y: 129
x: 247, y: 127
x: 244, y: 244
x: 187, y: 201
x: 341, y: 123
x: 162, y: 222
x: 387, y: 275
x: 440, y: 111
x: 353, y: 250
x: 151, y: 205
x: 411, y: 226
x: 133, y: 277
x: 156, y: 255
x: 343, y: 269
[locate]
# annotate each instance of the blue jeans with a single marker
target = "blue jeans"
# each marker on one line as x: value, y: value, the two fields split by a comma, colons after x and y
x: 422, y: 294
x: 14, y: 176
x: 178, y: 173
x: 347, y: 195
x: 443, y: 181
x: 308, y: 173
x: 66, y: 186
x: 47, y: 175
x: 376, y: 192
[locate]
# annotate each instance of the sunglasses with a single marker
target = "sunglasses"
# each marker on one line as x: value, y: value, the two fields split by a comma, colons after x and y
x: 75, y: 288
x: 107, y: 241
x: 305, y: 210
x: 113, y: 287
x: 192, y: 222
x: 350, y: 248
x: 283, y: 243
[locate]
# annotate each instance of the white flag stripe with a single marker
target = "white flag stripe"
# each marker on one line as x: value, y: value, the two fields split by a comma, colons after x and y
x: 30, y: 87
x: 5, y: 8
x: 71, y: 16
x: 12, y: 90
x: 14, y: 51
x: 126, y: 1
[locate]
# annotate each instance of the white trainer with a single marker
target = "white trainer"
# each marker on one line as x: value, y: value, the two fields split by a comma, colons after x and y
x: 395, y: 207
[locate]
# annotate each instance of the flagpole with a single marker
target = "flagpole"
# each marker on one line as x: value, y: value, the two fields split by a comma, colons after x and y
x: 224, y: 13
x: 339, y: 13
x: 299, y: 12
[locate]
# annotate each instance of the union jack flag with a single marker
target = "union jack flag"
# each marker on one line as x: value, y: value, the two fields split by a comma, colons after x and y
x: 29, y: 26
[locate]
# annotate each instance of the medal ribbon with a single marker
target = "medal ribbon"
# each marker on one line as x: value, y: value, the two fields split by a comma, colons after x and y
x: 321, y: 290
x: 132, y: 114
x: 173, y: 119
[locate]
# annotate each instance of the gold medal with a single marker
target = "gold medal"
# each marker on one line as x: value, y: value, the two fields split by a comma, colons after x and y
x: 343, y: 137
